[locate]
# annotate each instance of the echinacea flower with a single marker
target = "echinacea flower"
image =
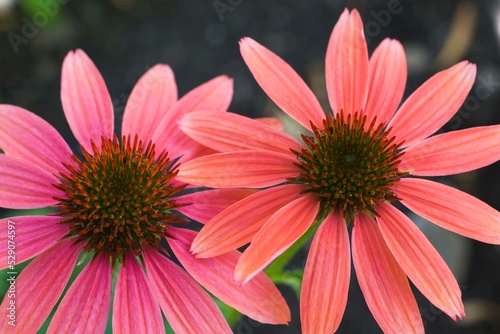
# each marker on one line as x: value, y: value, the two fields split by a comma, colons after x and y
x: 117, y: 203
x: 358, y: 159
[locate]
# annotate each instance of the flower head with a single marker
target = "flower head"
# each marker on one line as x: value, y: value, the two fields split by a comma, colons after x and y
x: 354, y: 162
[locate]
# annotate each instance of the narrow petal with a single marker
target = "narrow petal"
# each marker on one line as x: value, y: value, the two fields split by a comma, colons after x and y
x: 27, y: 136
x: 85, y: 99
x: 433, y: 104
x: 238, y: 224
x: 259, y: 299
x: 251, y: 169
x: 30, y: 235
x: 450, y: 208
x: 453, y: 152
x: 273, y: 122
x: 382, y: 281
x: 387, y: 80
x: 135, y: 308
x: 187, y: 307
x: 24, y: 185
x: 326, y: 278
x: 282, y: 84
x: 153, y: 95
x: 278, y: 233
x: 85, y: 307
x: 39, y: 286
x: 232, y: 132
x: 346, y: 65
x: 420, y: 261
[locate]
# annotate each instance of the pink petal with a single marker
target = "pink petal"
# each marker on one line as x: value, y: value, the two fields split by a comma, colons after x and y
x: 450, y: 208
x: 252, y: 169
x: 153, y: 95
x: 187, y: 307
x: 276, y: 236
x: 382, y: 281
x: 135, y: 308
x: 273, y: 122
x: 238, y: 224
x: 85, y: 307
x: 207, y: 204
x: 259, y: 299
x: 326, y: 278
x: 39, y: 286
x: 27, y: 136
x: 433, y: 104
x: 387, y: 79
x: 346, y: 65
x: 231, y: 132
x: 282, y: 84
x: 24, y: 185
x: 85, y: 100
x: 30, y: 235
x: 453, y: 152
x: 420, y: 261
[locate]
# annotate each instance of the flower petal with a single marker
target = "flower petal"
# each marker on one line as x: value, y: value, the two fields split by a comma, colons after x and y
x: 153, y: 95
x: 273, y: 122
x: 31, y: 236
x: 85, y: 100
x: 382, y: 281
x: 39, y: 286
x: 135, y: 308
x: 282, y: 84
x: 85, y: 307
x: 278, y: 233
x: 252, y: 169
x: 24, y: 185
x: 187, y: 307
x: 346, y: 65
x: 387, y: 80
x: 27, y: 136
x: 237, y: 225
x: 453, y: 152
x: 259, y: 299
x: 433, y: 104
x: 326, y: 278
x: 420, y: 261
x: 450, y: 208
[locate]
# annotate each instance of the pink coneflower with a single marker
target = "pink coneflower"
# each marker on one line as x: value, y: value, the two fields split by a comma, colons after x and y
x: 115, y: 203
x: 356, y: 162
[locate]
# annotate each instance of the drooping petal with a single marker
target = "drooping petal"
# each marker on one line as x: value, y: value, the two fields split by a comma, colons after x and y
x: 30, y: 235
x: 382, y: 281
x: 326, y: 278
x: 387, y: 72
x: 39, y: 286
x: 453, y: 152
x: 251, y: 169
x: 237, y: 225
x: 278, y: 233
x: 450, y: 208
x: 282, y: 84
x: 27, y: 136
x: 135, y: 308
x: 85, y: 99
x: 234, y: 133
x: 187, y: 307
x: 24, y: 185
x: 259, y: 299
x: 346, y: 66
x: 153, y: 95
x: 420, y: 261
x: 433, y: 104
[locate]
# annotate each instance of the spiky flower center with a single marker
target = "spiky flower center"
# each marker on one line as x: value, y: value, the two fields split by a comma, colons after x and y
x: 119, y: 198
x: 349, y: 166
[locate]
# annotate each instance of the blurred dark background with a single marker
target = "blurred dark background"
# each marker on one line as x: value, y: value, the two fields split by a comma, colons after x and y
x: 199, y: 40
